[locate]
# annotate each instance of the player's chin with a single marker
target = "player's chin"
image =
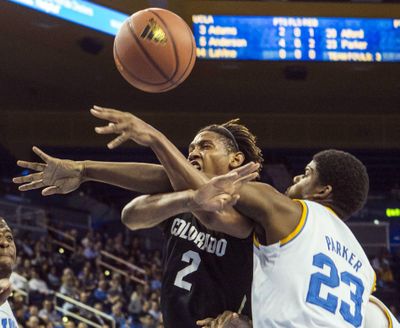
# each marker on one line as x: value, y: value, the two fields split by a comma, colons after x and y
x: 290, y: 192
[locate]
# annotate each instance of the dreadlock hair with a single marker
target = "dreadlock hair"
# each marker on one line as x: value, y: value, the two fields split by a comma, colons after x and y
x: 348, y: 178
x: 238, y: 137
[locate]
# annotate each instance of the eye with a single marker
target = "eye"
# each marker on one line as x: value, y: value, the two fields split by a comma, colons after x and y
x: 206, y: 145
x: 10, y: 238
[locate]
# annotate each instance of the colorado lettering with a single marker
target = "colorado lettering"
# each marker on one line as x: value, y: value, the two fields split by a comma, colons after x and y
x: 202, y: 240
x: 344, y: 252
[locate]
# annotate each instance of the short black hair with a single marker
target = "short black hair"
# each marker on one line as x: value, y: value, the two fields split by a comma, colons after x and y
x: 348, y: 177
x: 237, y: 137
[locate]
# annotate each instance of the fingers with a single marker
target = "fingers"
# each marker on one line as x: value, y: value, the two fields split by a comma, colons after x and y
x: 28, y: 178
x: 246, y: 178
x: 247, y: 169
x: 5, y: 290
x: 108, y: 114
x: 204, y: 322
x: 227, y: 201
x: 41, y: 154
x: 50, y: 191
x: 117, y: 141
x: 31, y: 186
x: 112, y: 128
x: 31, y: 165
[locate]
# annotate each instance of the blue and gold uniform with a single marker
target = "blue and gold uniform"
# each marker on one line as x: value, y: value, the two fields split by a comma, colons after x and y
x: 318, y: 276
x: 7, y: 319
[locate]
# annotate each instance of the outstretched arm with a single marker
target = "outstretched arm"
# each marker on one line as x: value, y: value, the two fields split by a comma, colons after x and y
x: 62, y: 176
x: 149, y: 210
x: 180, y: 172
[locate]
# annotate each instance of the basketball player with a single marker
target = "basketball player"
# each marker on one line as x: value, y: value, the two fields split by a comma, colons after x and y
x: 377, y: 315
x: 309, y: 269
x: 200, y: 265
x: 316, y: 268
x: 8, y: 257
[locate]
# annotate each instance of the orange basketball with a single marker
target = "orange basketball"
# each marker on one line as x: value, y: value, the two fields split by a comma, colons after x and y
x: 154, y: 50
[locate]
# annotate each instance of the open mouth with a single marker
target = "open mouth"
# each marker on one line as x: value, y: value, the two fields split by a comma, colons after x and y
x: 196, y: 165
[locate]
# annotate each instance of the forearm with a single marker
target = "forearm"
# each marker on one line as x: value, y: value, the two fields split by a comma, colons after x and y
x: 150, y: 210
x: 181, y: 173
x: 228, y: 221
x: 140, y: 177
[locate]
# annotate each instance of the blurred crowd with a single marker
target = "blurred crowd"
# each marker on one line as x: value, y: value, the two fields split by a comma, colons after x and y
x: 44, y: 268
x: 387, y: 268
x: 47, y: 265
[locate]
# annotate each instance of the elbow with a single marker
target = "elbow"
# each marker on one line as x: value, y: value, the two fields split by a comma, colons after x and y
x: 130, y: 216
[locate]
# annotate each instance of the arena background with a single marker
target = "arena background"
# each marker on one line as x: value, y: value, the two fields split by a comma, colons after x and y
x: 53, y: 71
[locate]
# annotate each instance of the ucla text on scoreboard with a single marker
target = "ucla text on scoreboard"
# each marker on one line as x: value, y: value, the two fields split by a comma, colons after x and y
x: 297, y: 38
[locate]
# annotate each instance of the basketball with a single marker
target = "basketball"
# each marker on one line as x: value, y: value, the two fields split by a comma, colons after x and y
x: 154, y: 50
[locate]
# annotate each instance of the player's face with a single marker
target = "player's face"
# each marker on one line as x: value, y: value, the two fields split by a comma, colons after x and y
x: 305, y: 185
x: 8, y: 253
x: 208, y: 153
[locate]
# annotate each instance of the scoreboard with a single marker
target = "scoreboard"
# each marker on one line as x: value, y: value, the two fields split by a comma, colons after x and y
x: 297, y: 38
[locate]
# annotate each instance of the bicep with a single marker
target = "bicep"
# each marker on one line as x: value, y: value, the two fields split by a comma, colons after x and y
x: 276, y: 213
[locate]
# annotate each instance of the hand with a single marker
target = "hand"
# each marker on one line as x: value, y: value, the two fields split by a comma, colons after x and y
x: 222, y: 191
x: 5, y: 290
x: 58, y: 176
x: 227, y: 319
x: 127, y: 125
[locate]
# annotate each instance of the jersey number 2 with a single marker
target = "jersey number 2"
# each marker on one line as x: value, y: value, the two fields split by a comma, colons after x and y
x: 194, y: 259
x: 330, y: 303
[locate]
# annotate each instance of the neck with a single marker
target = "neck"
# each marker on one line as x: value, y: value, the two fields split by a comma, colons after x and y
x: 333, y: 207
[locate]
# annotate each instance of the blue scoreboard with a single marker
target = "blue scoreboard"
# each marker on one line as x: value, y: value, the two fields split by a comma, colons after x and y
x: 297, y: 38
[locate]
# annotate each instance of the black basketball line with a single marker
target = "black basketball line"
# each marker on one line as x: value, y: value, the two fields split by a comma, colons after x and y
x: 193, y: 51
x: 154, y: 63
x: 133, y: 75
x: 172, y: 41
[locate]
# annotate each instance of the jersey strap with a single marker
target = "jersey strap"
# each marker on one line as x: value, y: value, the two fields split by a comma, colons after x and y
x: 383, y: 308
x: 300, y: 226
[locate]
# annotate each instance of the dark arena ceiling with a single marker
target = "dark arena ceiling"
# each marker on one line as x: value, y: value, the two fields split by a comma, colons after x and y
x: 52, y: 71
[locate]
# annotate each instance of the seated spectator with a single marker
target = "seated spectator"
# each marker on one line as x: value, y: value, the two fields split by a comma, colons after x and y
x: 118, y: 315
x: 86, y: 277
x: 33, y: 322
x: 38, y: 289
x: 53, y: 278
x: 100, y: 293
x: 135, y: 303
x: 48, y: 313
x: 37, y: 284
x: 155, y: 311
x: 68, y: 283
x: 19, y: 282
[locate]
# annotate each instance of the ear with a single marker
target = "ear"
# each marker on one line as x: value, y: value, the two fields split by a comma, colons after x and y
x: 236, y: 160
x: 323, y: 192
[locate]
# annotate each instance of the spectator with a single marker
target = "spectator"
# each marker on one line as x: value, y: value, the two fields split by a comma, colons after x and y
x: 48, y: 313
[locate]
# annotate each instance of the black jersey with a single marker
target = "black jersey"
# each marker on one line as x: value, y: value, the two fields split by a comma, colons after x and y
x: 205, y: 273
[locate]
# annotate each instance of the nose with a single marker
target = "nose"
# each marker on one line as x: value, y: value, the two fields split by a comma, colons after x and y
x: 296, y: 179
x: 4, y: 243
x: 193, y: 154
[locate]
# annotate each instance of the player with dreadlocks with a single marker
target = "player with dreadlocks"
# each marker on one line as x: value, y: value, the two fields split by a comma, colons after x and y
x: 205, y: 271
